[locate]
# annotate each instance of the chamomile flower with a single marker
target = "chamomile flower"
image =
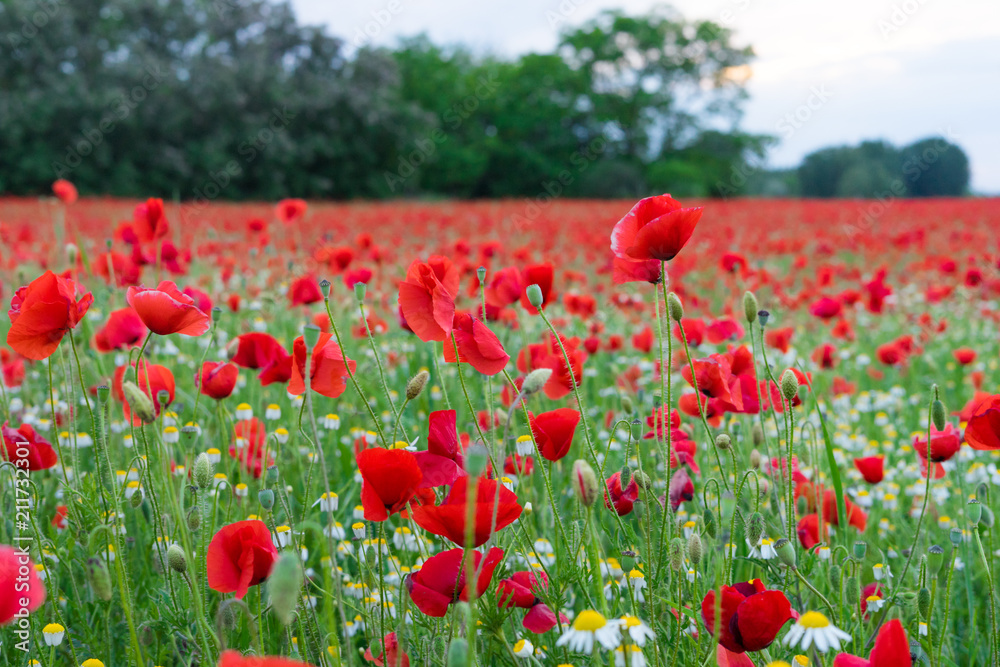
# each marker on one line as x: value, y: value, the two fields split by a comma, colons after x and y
x: 874, y: 602
x: 359, y: 530
x: 214, y: 455
x: 815, y: 629
x: 53, y: 634
x: 635, y: 630
x: 587, y: 627
x: 241, y: 490
x: 244, y: 411
x: 92, y: 662
x: 630, y: 655
x: 881, y: 572
x: 331, y: 422
x: 171, y: 435
x: 523, y: 648
x: 327, y: 502
x: 272, y: 412
x: 525, y: 445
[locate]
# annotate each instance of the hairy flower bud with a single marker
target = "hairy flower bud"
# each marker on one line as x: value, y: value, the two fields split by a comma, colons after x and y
x: 193, y: 518
x: 722, y: 441
x: 674, y: 307
x: 834, y: 575
x: 416, y: 385
x: 584, y: 482
x: 535, y: 380
x: 755, y: 459
x: 711, y: 524
x: 676, y: 554
x: 642, y: 480
x: 139, y: 402
x: 99, y: 578
x: 203, y: 471
x: 136, y: 499
x: 458, y: 653
x: 938, y: 417
x: 750, y: 307
x: 177, y: 559
x: 754, y: 528
x: 695, y: 549
x: 924, y: 603
x: 285, y: 586
x: 852, y: 591
x: 789, y: 385
x: 627, y: 405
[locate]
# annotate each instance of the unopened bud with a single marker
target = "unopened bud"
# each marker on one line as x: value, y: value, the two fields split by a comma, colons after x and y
x: 360, y: 290
x: 974, y: 511
x: 711, y: 525
x: 635, y: 429
x: 136, y: 499
x: 674, y: 307
x: 757, y: 434
x: 139, y: 403
x: 266, y: 499
x: 754, y: 528
x: 416, y: 385
x: 458, y: 653
x: 642, y: 480
x: 852, y: 591
x: 535, y: 380
x: 627, y: 405
x: 924, y: 603
x: 534, y: 293
x: 285, y: 585
x: 755, y: 459
x: 789, y: 385
x: 177, y: 559
x: 476, y: 458
x: 750, y: 307
x: 584, y: 482
x: 99, y: 578
x: 694, y: 549
x: 938, y: 417
x: 193, y: 518
x: 786, y: 551
x: 676, y: 554
x: 203, y: 471
x: 988, y: 518
x: 722, y: 441
x: 834, y: 576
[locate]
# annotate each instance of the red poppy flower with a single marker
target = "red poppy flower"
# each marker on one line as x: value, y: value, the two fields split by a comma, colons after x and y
x: 166, y: 310
x: 240, y: 555
x: 263, y: 351
x: 891, y: 649
x: 716, y: 380
x: 622, y: 500
x: 808, y: 531
x: 252, y: 436
x: 520, y: 591
x: 65, y: 191
x: 149, y: 222
x: 964, y: 355
x: 26, y: 449
x: 237, y: 659
x: 427, y: 298
x: 855, y: 515
x: 391, y: 655
x: 42, y: 312
x: 290, y: 210
x: 780, y: 339
x: 16, y: 588
x: 328, y: 370
x: 217, y: 379
x: 305, y: 291
x: 872, y: 468
x: 448, y: 519
x: 656, y: 228
x: 441, y: 464
x: 123, y: 330
x: 126, y: 271
x: 441, y: 580
x: 826, y: 308
x: 548, y: 355
x: 944, y: 444
x: 751, y: 616
x: 553, y: 431
x: 504, y: 288
x: 515, y: 464
x: 390, y: 479
x: 625, y: 271
x: 151, y: 379
x: 12, y: 368
x: 824, y: 356
x: 541, y: 275
x: 983, y: 430
x: 477, y: 345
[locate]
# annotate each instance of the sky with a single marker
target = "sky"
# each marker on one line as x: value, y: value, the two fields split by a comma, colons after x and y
x: 825, y: 73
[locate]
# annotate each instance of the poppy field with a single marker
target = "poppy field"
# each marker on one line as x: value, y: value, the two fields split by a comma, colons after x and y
x: 522, y: 432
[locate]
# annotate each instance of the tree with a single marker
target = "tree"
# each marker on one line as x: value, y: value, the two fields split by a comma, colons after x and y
x: 933, y: 167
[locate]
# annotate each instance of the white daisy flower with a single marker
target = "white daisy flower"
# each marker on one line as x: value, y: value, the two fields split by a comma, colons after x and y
x: 272, y: 412
x: 635, y: 630
x: 327, y: 502
x: 53, y: 634
x: 523, y: 648
x: 587, y: 627
x: 815, y: 629
x: 244, y: 411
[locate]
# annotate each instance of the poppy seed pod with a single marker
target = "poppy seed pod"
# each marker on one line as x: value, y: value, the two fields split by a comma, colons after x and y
x: 786, y: 551
x: 177, y: 559
x: 722, y: 441
x: 935, y: 559
x: 203, y: 471
x: 974, y: 511
x: 163, y: 397
x: 272, y: 474
x: 955, y: 536
x: 324, y: 288
x: 754, y: 528
x: 285, y: 586
x: 676, y: 554
x: 763, y: 316
x: 139, y: 402
x: 584, y: 482
x: 360, y: 290
x: 103, y: 393
x: 860, y: 549
x: 789, y: 385
x: 534, y: 294
x: 310, y: 336
x: 100, y: 580
x: 750, y: 307
x: 635, y: 430
x: 416, y: 385
x: 674, y: 307
x: 535, y: 380
x: 695, y: 549
x: 266, y: 499
x: 481, y: 274
x: 476, y: 458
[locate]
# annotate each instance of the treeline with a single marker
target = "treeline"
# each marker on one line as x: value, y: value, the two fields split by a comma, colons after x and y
x: 234, y: 99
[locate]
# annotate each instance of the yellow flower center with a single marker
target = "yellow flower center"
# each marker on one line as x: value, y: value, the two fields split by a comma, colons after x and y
x: 589, y: 621
x: 519, y: 646
x: 813, y: 619
x: 53, y: 628
x: 631, y: 621
x: 92, y: 662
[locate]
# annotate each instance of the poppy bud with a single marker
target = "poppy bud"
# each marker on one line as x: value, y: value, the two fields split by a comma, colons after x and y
x: 266, y: 499
x: 938, y: 415
x: 193, y: 518
x: 139, y: 402
x: 676, y: 554
x: 982, y: 492
x: 786, y: 551
x: 763, y: 316
x: 626, y: 475
x: 755, y: 460
x: 163, y: 397
x: 758, y: 435
x: 924, y: 603
x: 754, y: 528
x: 177, y: 559
x: 974, y: 511
x: 136, y: 499
x: 203, y: 471
x: 535, y: 380
x: 103, y: 393
x: 711, y: 526
x: 860, y: 549
x: 310, y: 336
x: 272, y: 474
x: 695, y: 549
x: 458, y: 652
x: 765, y: 486
x: 109, y: 243
x: 988, y: 518
x: 642, y: 480
x: 416, y: 385
x: 360, y: 290
x: 71, y: 252
x: 789, y: 385
x: 852, y: 590
x: 935, y: 559
x: 635, y: 429
x: 534, y: 293
x: 481, y: 274
x: 674, y: 307
x: 476, y: 458
x: 284, y: 586
x: 324, y: 288
x: 584, y: 482
x: 835, y: 573
x: 750, y: 307
x: 627, y: 405
x: 955, y: 536
x: 722, y: 441
x: 100, y: 580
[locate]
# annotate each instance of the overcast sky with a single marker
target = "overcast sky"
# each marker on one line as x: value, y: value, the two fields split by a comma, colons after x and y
x: 898, y: 69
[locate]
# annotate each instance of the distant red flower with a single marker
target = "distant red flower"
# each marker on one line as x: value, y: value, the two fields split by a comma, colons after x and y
x: 856, y: 516
x: 252, y: 436
x: 26, y: 449
x: 126, y: 271
x: 218, y: 379
x: 621, y: 500
x: 262, y: 351
x: 151, y: 379
x: 123, y: 330
x: 328, y: 368
x: 549, y: 355
x: 656, y: 228
x: 780, y: 339
x: 891, y: 649
x: 541, y: 275
x: 166, y: 310
x: 825, y: 356
x: 427, y: 298
x: 237, y: 659
x: 240, y: 555
x: 643, y: 341
x: 681, y: 488
x: 964, y: 355
x: 872, y: 468
x: 42, y: 312
x: 391, y: 655
x: 553, y: 431
x: 477, y: 346
x: 304, y: 291
x: 16, y: 587
x: 441, y: 580
x: 808, y: 531
x: 944, y: 444
x: 390, y: 478
x: 290, y: 210
x: 65, y: 191
x: 449, y: 518
x: 515, y: 464
x: 149, y: 221
x: 504, y: 288
x: 751, y: 615
x: 826, y: 308
x: 983, y: 430
x: 521, y: 591
x: 441, y: 463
